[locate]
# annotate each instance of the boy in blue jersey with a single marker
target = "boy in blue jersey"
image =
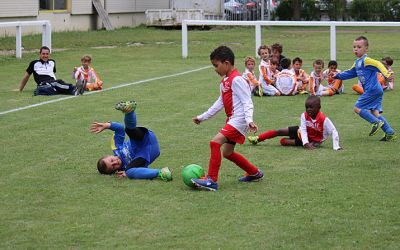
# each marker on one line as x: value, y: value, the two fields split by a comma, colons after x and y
x: 369, y: 105
x: 132, y: 157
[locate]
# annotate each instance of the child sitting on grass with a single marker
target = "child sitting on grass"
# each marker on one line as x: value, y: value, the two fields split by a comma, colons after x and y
x: 131, y: 158
x: 87, y: 74
x: 285, y: 80
x: 335, y: 85
x: 302, y: 77
x: 314, y: 129
x: 250, y: 76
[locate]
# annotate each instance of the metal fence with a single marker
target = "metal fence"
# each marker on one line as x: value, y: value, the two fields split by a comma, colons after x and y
x: 248, y: 10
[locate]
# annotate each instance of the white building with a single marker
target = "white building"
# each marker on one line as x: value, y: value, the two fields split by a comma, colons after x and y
x: 67, y: 15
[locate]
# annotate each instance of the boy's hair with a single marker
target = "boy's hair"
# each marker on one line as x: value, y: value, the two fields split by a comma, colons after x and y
x: 101, y: 166
x: 314, y: 98
x: 285, y: 63
x: 363, y: 38
x: 248, y: 59
x: 44, y: 48
x: 86, y: 58
x: 297, y: 59
x: 222, y: 54
x: 274, y: 61
x: 332, y: 63
x: 278, y: 47
x: 319, y: 62
x: 263, y: 47
x: 388, y: 60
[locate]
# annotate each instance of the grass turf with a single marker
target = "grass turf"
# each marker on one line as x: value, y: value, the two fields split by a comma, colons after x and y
x: 53, y: 197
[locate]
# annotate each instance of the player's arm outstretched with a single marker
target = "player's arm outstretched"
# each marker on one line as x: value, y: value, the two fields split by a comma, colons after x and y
x: 214, y: 109
x: 98, y: 127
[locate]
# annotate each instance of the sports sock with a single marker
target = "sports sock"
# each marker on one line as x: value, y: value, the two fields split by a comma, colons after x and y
x: 358, y: 89
x: 386, y: 127
x: 242, y: 162
x: 267, y: 135
x: 215, y: 160
x: 130, y: 120
x: 142, y: 173
x: 283, y: 142
x: 366, y: 115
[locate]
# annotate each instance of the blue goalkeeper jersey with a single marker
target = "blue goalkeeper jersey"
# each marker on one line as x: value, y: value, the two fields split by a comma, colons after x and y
x: 366, y: 68
x: 128, y: 150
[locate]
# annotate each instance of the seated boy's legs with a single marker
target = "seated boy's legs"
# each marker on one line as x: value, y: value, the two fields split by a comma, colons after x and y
x: 358, y: 88
x: 271, y: 90
x: 293, y: 139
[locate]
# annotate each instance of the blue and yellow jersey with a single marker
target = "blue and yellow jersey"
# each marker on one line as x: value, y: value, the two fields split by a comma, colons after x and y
x: 128, y: 150
x: 366, y: 68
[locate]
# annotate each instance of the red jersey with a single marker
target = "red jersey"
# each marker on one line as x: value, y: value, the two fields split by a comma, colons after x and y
x: 315, y: 128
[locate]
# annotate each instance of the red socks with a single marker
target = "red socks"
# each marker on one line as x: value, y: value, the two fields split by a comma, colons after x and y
x: 215, y: 160
x: 238, y: 159
x: 242, y: 162
x: 267, y: 135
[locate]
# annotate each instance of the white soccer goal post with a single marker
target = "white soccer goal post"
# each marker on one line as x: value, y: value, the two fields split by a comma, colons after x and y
x: 258, y: 24
x: 46, y: 33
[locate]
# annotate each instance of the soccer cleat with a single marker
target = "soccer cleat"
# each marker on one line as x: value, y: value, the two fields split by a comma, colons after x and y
x: 303, y: 92
x: 375, y: 127
x: 126, y: 107
x: 80, y: 87
x: 253, y: 139
x: 252, y: 177
x: 165, y: 174
x: 388, y: 137
x: 205, y: 183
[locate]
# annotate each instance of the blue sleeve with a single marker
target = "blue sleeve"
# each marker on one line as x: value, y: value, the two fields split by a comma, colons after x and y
x: 348, y: 74
x: 119, y: 135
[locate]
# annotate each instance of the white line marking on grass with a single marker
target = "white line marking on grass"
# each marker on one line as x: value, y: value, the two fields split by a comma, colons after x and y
x: 95, y: 92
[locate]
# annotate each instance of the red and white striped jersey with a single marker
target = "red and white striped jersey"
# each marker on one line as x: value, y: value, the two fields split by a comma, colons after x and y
x: 318, y: 130
x: 235, y: 98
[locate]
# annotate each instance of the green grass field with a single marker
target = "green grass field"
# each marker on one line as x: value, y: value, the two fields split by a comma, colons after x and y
x: 53, y: 198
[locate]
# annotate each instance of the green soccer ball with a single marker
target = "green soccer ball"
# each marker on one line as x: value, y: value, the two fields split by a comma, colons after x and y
x: 191, y: 171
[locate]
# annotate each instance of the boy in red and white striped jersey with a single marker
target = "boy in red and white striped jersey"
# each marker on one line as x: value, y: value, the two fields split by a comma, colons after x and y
x: 235, y: 98
x: 314, y: 129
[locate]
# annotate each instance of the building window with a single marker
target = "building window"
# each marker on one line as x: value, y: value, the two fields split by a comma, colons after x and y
x: 53, y: 5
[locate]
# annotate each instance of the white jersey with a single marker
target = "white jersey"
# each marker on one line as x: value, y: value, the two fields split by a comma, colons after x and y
x: 286, y: 82
x: 235, y: 97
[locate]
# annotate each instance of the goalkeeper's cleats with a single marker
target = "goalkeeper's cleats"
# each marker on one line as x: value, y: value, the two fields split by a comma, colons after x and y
x: 375, y: 127
x: 253, y: 139
x: 126, y: 107
x: 388, y: 137
x: 165, y: 174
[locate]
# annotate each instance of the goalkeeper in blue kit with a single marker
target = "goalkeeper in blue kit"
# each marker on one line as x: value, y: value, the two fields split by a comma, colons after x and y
x: 369, y: 105
x: 131, y: 158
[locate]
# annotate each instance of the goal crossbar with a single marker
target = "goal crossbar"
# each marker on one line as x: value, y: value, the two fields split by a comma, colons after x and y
x: 258, y: 24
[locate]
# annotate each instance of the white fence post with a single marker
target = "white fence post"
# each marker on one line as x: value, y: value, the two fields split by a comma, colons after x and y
x: 184, y: 40
x: 18, y: 41
x: 46, y: 33
x: 258, y: 38
x: 333, y: 41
